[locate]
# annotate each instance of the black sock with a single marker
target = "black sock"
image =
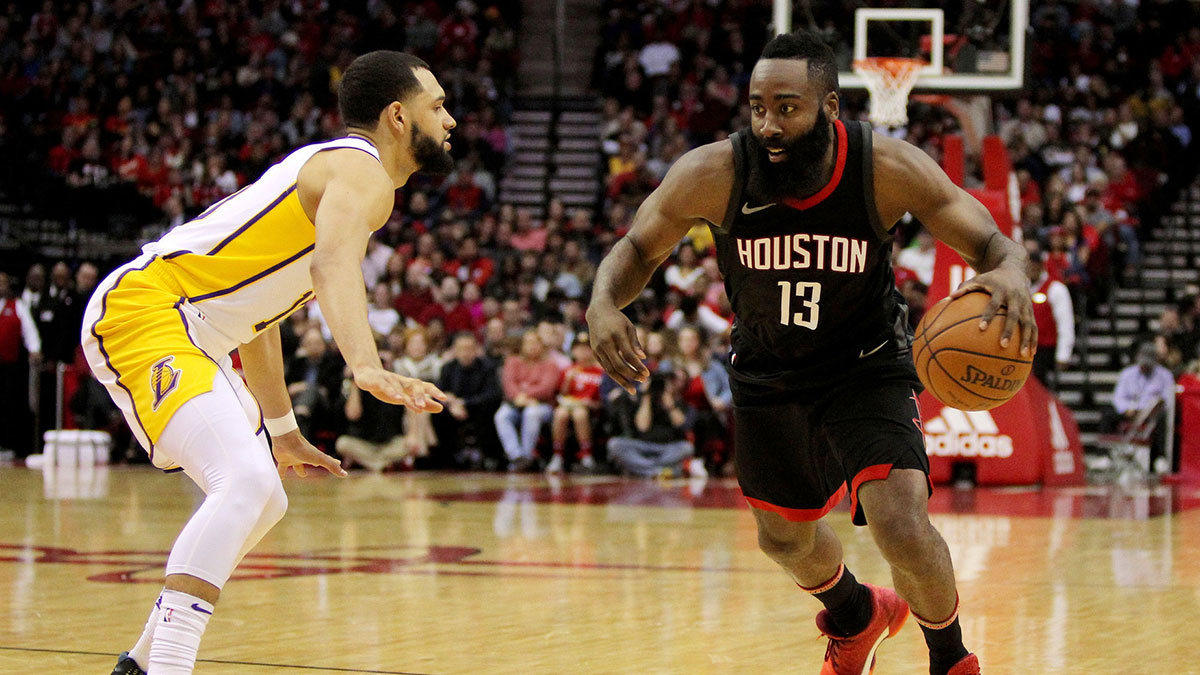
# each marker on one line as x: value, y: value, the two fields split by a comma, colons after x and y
x: 848, y: 602
x: 945, y: 647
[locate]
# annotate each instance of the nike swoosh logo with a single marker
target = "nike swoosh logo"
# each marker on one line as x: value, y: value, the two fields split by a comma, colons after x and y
x: 747, y: 209
x: 198, y: 608
x: 863, y: 355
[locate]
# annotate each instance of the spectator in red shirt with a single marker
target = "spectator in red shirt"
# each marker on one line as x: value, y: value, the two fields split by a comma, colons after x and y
x: 1123, y: 191
x: 17, y: 329
x: 470, y: 267
x: 448, y: 308
x: 66, y: 152
x: 1030, y: 191
x: 129, y: 164
x: 529, y: 235
x: 458, y: 30
x: 79, y: 114
x: 465, y: 197
x: 416, y: 295
x: 153, y: 173
x: 119, y: 123
x: 578, y: 396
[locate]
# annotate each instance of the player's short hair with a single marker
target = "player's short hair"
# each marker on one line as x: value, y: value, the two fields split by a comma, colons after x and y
x: 373, y: 81
x: 803, y: 44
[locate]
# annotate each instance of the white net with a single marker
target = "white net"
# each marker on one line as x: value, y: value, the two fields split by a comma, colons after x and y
x: 889, y: 80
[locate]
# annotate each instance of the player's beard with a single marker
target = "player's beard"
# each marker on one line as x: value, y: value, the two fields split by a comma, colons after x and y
x: 800, y: 172
x: 430, y: 155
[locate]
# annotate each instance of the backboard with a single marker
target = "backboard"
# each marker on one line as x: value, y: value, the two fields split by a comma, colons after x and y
x: 978, y: 45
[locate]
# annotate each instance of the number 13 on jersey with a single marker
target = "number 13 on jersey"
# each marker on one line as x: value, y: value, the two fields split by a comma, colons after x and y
x: 809, y: 295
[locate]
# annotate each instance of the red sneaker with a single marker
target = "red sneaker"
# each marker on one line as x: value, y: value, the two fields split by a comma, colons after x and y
x: 855, y: 655
x: 969, y: 665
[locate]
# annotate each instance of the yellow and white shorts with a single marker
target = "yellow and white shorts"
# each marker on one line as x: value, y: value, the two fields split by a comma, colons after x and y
x: 143, y: 343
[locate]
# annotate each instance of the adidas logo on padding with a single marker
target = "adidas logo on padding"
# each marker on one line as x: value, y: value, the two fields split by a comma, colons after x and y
x: 958, y: 433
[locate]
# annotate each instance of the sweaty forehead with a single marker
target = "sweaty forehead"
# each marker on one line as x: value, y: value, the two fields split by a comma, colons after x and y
x: 772, y: 77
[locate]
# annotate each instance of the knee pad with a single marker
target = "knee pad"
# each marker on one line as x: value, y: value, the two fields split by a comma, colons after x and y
x: 276, y: 504
x: 256, y: 487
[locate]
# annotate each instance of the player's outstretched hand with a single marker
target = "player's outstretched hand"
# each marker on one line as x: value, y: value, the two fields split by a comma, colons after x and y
x: 1009, y: 287
x: 615, y: 342
x: 292, y: 450
x: 406, y: 391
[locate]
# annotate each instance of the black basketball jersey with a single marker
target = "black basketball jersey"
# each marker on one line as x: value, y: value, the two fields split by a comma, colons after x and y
x: 810, y: 280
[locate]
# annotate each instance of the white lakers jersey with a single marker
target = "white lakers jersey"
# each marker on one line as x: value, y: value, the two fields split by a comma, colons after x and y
x: 243, y: 265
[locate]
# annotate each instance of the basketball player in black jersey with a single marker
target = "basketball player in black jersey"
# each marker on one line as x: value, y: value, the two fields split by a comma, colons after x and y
x: 802, y: 206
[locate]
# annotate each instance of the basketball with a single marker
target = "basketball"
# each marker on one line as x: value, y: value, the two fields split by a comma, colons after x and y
x: 965, y: 367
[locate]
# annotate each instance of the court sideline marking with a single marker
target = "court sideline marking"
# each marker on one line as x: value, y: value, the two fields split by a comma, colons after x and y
x: 222, y: 662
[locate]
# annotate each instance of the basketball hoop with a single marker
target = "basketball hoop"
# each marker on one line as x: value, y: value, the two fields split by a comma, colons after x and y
x: 889, y: 79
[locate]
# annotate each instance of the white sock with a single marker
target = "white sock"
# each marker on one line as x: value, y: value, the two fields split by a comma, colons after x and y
x: 141, y: 650
x: 181, y: 622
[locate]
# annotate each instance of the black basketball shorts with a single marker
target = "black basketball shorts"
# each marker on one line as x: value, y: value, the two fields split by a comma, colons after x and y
x: 800, y: 454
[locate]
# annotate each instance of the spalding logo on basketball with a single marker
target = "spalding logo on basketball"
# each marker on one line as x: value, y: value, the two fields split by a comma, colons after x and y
x: 965, y: 367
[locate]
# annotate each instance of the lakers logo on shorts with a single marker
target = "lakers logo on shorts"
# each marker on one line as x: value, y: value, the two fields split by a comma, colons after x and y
x: 163, y: 380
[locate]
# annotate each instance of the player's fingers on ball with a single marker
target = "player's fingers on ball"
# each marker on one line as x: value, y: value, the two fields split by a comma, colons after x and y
x: 962, y: 290
x: 1008, y: 326
x: 1029, y: 333
x: 1026, y: 337
x: 299, y: 468
x: 965, y: 287
x: 990, y: 309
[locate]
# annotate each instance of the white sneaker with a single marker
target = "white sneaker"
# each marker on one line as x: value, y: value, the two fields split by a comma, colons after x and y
x: 555, y: 465
x: 694, y: 468
x: 587, y: 463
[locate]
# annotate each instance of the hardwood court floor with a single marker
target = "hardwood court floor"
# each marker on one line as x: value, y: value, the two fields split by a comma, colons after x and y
x: 441, y: 573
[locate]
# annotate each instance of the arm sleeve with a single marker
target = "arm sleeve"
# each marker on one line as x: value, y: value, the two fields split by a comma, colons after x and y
x: 1064, y: 320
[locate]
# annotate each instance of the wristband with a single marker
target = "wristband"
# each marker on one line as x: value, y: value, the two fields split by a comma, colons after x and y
x: 278, y: 426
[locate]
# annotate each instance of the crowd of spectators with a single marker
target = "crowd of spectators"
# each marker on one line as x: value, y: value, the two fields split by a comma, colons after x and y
x: 486, y: 298
x: 157, y: 109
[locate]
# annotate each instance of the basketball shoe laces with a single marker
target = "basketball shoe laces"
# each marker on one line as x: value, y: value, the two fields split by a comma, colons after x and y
x: 833, y: 652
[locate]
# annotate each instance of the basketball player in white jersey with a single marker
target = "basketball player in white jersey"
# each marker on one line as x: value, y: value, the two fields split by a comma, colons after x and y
x: 158, y: 332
